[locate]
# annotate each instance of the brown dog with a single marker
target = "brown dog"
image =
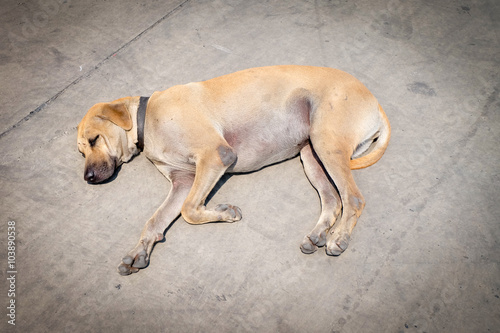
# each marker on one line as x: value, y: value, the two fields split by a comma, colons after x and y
x: 241, y: 122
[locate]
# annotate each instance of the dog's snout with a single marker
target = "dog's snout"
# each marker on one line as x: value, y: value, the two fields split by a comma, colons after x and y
x: 98, y: 172
x: 89, y: 175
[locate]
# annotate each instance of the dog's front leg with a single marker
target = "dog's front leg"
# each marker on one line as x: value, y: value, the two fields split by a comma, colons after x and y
x: 210, y: 166
x: 154, y: 228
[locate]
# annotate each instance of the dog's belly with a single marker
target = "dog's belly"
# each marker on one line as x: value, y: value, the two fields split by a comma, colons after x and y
x: 267, y: 141
x: 252, y: 158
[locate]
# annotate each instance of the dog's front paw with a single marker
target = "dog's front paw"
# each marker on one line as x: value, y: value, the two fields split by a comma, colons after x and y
x: 139, y: 257
x: 131, y: 264
x: 228, y: 213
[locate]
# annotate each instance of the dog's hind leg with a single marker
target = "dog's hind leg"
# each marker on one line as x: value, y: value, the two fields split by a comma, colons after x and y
x: 156, y: 225
x: 334, y: 137
x: 336, y: 161
x: 330, y: 200
x: 211, y: 164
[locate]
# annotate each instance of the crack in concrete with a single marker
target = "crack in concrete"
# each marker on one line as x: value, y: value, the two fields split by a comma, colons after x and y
x: 91, y: 71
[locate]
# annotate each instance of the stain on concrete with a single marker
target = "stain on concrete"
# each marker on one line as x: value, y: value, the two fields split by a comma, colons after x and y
x: 394, y: 26
x: 464, y: 10
x: 421, y: 88
x: 4, y: 59
x: 58, y: 55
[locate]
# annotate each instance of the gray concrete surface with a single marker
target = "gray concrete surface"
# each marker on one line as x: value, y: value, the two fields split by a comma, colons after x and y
x: 424, y: 256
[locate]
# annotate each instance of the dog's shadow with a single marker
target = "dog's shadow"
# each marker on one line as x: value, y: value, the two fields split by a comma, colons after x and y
x: 217, y: 186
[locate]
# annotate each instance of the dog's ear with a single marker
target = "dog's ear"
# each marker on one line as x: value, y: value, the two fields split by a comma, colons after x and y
x: 118, y: 114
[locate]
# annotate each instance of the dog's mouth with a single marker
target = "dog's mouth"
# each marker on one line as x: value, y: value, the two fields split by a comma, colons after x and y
x: 99, y: 172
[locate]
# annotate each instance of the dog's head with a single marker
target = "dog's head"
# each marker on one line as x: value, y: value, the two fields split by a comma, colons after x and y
x: 103, y: 138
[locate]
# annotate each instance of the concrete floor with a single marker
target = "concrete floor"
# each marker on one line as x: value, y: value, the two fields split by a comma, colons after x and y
x: 424, y: 256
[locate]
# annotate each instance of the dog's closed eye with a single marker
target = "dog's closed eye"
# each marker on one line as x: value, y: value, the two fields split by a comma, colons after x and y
x: 93, y: 141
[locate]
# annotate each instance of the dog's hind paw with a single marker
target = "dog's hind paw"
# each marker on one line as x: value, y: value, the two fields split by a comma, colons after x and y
x: 317, y: 238
x: 337, y: 243
x: 307, y: 246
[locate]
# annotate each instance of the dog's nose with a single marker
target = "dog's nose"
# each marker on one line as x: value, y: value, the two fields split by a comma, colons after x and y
x: 89, y: 176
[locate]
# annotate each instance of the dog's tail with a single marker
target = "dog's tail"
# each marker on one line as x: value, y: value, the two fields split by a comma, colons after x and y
x: 372, y: 149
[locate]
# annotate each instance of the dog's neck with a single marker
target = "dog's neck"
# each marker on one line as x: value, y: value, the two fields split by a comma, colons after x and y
x: 133, y: 139
x: 141, y: 118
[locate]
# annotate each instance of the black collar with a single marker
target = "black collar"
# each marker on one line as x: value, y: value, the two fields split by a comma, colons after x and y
x: 141, y: 117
